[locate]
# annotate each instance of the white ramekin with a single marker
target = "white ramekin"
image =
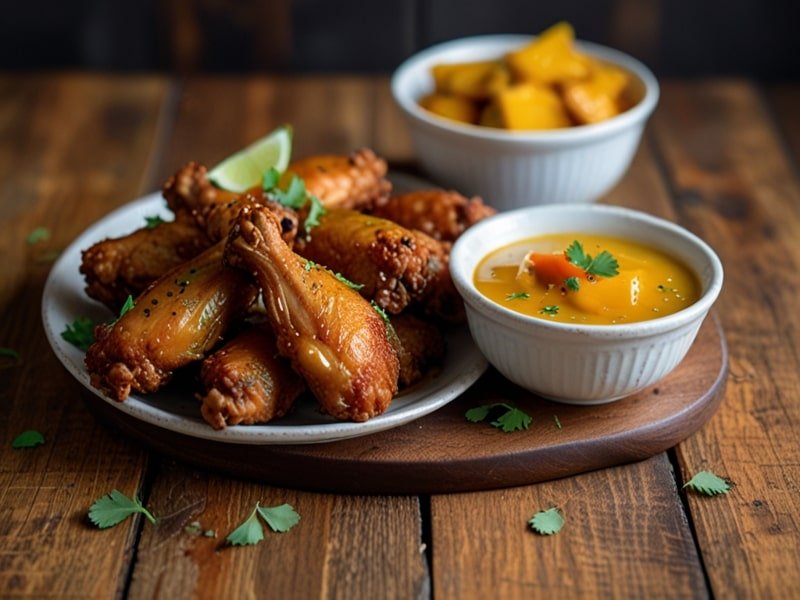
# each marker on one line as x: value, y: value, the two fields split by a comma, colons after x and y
x: 582, y: 364
x: 512, y: 169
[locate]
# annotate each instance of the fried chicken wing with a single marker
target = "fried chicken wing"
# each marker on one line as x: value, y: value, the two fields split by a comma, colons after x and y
x: 217, y: 221
x: 396, y: 266
x: 332, y: 336
x: 189, y: 190
x: 117, y: 268
x: 247, y: 382
x: 419, y: 345
x: 177, y: 320
x: 443, y: 215
x: 351, y: 181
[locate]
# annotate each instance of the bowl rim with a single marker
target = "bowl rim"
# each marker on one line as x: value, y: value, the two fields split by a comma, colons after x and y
x: 463, y: 277
x: 416, y: 63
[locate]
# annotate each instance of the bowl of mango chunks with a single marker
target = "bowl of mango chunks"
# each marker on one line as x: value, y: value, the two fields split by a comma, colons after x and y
x: 525, y: 120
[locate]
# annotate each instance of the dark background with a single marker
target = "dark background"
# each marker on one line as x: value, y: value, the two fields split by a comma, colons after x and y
x: 676, y: 38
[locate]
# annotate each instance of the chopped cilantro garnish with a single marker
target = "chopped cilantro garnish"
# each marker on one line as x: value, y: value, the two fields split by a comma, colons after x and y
x: 518, y: 296
x: 153, y: 222
x: 80, y: 333
x: 550, y: 310
x: 572, y: 284
x: 602, y: 265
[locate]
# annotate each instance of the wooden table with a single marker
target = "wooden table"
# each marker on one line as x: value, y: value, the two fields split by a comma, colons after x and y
x: 720, y: 157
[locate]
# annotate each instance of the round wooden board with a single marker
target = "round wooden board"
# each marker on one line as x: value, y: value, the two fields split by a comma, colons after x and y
x: 443, y: 452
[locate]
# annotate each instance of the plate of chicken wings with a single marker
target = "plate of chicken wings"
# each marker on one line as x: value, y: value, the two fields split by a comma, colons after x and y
x: 254, y: 322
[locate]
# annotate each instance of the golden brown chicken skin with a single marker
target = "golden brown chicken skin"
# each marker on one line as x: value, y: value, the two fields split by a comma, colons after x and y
x: 331, y: 335
x: 247, y: 382
x: 119, y: 267
x: 176, y: 321
x: 442, y: 214
x: 353, y: 181
x: 396, y: 266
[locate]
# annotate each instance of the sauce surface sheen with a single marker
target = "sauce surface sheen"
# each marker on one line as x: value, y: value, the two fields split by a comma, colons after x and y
x: 650, y: 284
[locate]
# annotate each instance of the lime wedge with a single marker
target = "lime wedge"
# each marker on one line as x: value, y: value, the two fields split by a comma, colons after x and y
x: 245, y: 169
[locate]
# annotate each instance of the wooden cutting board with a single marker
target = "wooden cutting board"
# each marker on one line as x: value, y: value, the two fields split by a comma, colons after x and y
x: 443, y: 452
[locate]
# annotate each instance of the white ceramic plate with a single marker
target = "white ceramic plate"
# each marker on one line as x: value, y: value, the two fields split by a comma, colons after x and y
x: 64, y: 300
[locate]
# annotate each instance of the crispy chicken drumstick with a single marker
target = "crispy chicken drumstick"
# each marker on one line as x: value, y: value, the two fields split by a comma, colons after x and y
x: 332, y: 336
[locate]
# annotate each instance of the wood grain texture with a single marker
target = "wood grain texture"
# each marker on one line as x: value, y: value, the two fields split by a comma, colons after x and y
x: 625, y: 536
x: 71, y: 148
x: 345, y: 546
x: 443, y: 452
x: 734, y: 185
x: 218, y: 116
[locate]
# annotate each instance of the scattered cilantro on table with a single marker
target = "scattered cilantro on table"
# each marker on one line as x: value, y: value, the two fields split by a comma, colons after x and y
x: 10, y: 353
x: 279, y: 518
x: 547, y: 522
x: 115, y: 507
x: 28, y: 439
x: 709, y: 484
x: 39, y: 234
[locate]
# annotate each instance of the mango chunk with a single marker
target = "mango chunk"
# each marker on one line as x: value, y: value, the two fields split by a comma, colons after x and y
x: 476, y: 80
x: 531, y: 106
x: 598, y: 98
x: 451, y: 107
x: 550, y: 58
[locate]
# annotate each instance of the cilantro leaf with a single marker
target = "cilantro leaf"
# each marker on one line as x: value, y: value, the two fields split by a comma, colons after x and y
x: 547, y: 522
x: 518, y: 296
x: 128, y: 306
x: 557, y: 421
x: 348, y: 283
x: 550, y: 310
x: 381, y: 312
x: 153, y: 222
x: 478, y: 413
x: 269, y: 180
x: 39, y: 234
x: 513, y: 420
x: 248, y: 533
x: 11, y: 353
x: 577, y: 256
x: 572, y: 283
x: 294, y: 197
x: 279, y: 518
x: 80, y: 333
x: 310, y: 264
x: 315, y: 211
x: 603, y: 265
x: 28, y: 439
x: 706, y: 482
x: 193, y: 528
x: 114, y: 508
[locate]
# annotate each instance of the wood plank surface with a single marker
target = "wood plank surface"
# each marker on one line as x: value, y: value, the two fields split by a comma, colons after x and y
x: 71, y: 148
x: 734, y: 185
x: 625, y: 536
x: 344, y: 546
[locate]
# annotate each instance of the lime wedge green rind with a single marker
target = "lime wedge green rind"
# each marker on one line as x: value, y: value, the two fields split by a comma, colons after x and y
x: 245, y: 169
